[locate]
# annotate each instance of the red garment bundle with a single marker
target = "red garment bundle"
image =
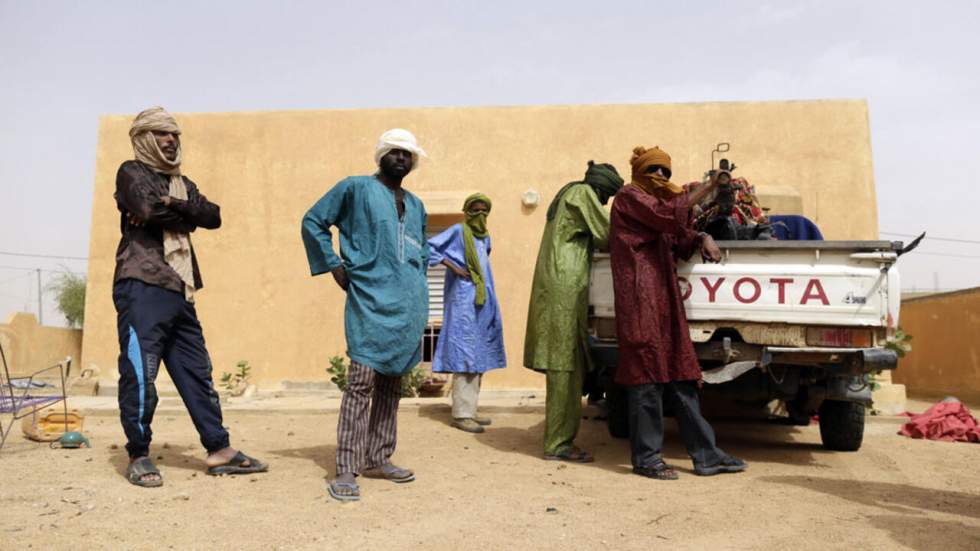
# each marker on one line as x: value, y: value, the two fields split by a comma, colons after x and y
x: 950, y: 421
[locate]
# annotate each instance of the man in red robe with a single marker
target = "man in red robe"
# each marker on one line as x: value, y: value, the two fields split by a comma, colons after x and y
x: 650, y: 229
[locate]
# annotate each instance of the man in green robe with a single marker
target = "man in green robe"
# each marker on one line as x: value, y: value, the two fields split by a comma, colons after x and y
x: 556, y: 341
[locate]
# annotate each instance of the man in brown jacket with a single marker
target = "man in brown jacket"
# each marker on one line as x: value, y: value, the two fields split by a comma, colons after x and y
x: 154, y: 285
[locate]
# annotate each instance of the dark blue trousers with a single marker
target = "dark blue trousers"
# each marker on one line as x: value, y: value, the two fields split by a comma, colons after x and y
x: 646, y: 416
x: 157, y: 324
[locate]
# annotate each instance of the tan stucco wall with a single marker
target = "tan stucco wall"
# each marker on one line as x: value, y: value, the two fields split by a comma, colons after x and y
x: 945, y: 356
x: 267, y: 169
x: 29, y: 347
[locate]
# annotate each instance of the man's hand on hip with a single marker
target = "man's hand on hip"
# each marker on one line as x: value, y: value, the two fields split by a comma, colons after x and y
x: 340, y: 276
x: 460, y: 273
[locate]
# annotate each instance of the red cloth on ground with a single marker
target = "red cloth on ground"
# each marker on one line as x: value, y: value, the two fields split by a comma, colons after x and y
x: 950, y: 421
x: 647, y: 235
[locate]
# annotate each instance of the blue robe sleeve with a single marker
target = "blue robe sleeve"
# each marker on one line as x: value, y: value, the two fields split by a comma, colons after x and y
x: 329, y: 211
x: 440, y: 245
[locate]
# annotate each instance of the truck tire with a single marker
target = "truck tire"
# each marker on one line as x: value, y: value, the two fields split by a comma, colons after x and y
x: 617, y: 414
x: 841, y: 425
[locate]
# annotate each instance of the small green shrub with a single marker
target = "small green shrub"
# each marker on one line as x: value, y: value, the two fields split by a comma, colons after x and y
x: 69, y: 292
x: 339, y: 371
x: 412, y: 382
x: 901, y: 344
x: 238, y: 380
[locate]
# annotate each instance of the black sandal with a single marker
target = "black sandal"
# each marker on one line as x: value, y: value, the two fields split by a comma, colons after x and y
x: 140, y: 468
x: 240, y: 464
x: 729, y: 464
x: 658, y: 471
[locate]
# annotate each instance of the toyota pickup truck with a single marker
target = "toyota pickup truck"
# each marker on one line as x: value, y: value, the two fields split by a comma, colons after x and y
x: 804, y: 322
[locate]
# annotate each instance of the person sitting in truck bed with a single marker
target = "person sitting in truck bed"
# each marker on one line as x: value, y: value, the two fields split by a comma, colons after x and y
x: 729, y: 208
x: 649, y: 230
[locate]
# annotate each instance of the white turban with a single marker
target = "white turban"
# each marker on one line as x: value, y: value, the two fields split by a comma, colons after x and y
x: 398, y: 138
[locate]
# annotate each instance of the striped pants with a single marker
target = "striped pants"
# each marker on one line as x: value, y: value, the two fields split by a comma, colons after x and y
x: 365, y: 441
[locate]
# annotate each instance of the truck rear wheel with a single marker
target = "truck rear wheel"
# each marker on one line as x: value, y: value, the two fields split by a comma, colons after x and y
x: 841, y: 425
x: 617, y: 414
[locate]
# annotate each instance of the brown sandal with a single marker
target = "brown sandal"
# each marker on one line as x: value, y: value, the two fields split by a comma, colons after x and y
x: 572, y: 455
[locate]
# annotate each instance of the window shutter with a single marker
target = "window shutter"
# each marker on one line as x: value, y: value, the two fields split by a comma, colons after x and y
x: 436, y: 278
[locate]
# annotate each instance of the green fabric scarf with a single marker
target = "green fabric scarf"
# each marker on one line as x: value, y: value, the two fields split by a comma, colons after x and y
x: 603, y: 178
x: 475, y: 225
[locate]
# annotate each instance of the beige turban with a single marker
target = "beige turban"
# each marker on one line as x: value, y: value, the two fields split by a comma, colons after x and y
x: 176, y: 246
x: 145, y: 145
x: 398, y: 138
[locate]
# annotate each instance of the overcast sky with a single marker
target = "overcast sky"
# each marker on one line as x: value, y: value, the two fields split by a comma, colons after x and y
x: 62, y: 64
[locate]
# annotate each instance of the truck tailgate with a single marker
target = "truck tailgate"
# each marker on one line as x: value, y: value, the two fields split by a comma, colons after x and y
x: 841, y: 283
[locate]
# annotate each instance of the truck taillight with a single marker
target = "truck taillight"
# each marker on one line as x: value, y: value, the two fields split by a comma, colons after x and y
x: 838, y: 337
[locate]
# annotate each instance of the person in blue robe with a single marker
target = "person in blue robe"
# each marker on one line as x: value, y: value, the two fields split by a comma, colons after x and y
x: 471, y: 340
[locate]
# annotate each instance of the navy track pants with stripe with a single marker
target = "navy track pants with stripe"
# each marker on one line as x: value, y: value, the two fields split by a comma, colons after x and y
x: 156, y: 325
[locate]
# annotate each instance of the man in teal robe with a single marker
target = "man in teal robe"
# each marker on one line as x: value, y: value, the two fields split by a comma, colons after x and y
x: 382, y: 267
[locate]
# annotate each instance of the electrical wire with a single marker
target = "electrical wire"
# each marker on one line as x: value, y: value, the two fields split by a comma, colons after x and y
x: 949, y: 255
x: 31, y: 255
x: 929, y: 237
x: 44, y: 270
x: 15, y: 278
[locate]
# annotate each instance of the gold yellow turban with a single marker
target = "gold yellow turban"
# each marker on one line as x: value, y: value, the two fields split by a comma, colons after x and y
x: 643, y: 159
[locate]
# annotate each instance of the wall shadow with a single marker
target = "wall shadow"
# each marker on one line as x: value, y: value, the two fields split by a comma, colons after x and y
x: 926, y: 534
x: 900, y: 499
x: 907, y: 524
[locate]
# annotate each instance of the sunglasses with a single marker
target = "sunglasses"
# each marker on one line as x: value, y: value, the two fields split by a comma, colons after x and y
x: 664, y: 171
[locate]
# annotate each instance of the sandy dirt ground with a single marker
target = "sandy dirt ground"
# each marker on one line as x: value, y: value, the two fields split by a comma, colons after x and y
x: 489, y: 491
